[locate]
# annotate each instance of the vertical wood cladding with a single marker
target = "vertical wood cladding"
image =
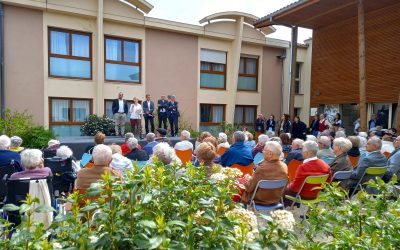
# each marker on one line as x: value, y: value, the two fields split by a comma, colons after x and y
x: 334, y: 77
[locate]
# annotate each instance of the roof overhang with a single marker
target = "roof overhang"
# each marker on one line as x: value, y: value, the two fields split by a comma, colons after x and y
x: 313, y: 14
x: 141, y: 4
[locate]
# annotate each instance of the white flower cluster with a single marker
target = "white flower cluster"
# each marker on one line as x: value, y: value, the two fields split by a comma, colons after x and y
x: 232, y: 172
x: 57, y: 245
x: 200, y: 220
x: 248, y: 217
x: 250, y: 235
x: 218, y: 177
x: 283, y: 219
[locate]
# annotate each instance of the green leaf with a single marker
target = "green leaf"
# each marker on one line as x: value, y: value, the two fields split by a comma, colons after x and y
x: 155, y: 242
x: 176, y: 223
x: 10, y: 207
x: 148, y: 223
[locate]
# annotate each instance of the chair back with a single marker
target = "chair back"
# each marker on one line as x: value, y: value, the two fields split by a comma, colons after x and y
x: 370, y: 173
x: 269, y: 184
x: 245, y: 169
x: 375, y: 171
x: 316, y: 179
x: 85, y: 159
x: 342, y: 175
x: 354, y: 160
x: 184, y: 155
x: 221, y: 151
x: 327, y: 159
x: 386, y: 154
x: 63, y: 174
x: 5, y: 172
x: 258, y: 158
x: 292, y: 168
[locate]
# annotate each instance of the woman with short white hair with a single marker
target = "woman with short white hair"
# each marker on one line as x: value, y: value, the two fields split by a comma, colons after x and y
x: 15, y: 145
x: 262, y: 139
x: 64, y: 152
x: 341, y: 162
x: 164, y: 153
x: 32, y: 161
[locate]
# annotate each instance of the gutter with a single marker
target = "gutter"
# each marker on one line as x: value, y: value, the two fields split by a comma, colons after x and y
x: 2, y: 104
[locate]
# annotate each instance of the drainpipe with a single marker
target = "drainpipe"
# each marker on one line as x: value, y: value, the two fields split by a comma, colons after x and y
x: 2, y: 104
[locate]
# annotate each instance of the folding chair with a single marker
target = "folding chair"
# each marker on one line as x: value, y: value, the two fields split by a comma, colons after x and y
x: 17, y: 191
x: 221, y: 151
x: 245, y: 169
x: 258, y: 158
x: 386, y: 154
x: 63, y: 174
x: 184, y: 155
x: 5, y: 171
x: 292, y: 168
x: 354, y: 160
x: 372, y: 172
x: 327, y: 159
x: 311, y: 180
x: 268, y: 184
x: 342, y: 175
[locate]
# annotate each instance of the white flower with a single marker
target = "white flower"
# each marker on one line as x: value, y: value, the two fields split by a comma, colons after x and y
x: 57, y: 245
x: 200, y: 220
x: 93, y: 239
x: 244, y: 215
x: 218, y: 177
x: 232, y: 172
x: 250, y: 235
x: 283, y: 219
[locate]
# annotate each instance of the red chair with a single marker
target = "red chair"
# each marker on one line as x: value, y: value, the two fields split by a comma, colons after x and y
x: 292, y: 168
x: 221, y: 151
x: 245, y: 169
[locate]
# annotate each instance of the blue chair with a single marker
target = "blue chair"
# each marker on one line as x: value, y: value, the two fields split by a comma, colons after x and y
x: 258, y: 158
x: 342, y: 175
x: 328, y: 160
x: 268, y: 184
x: 85, y: 159
x: 140, y: 164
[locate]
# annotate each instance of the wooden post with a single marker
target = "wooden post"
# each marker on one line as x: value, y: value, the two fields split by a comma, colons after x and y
x: 293, y: 61
x: 398, y: 115
x: 361, y: 67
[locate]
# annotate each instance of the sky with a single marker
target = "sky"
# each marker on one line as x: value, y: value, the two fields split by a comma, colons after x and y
x: 191, y: 11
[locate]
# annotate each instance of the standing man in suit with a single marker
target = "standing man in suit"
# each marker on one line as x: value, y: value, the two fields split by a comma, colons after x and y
x: 173, y: 115
x: 120, y: 110
x: 162, y: 112
x: 148, y: 110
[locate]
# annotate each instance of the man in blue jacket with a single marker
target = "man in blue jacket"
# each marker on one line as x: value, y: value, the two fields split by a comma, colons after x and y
x: 7, y: 156
x: 238, y: 153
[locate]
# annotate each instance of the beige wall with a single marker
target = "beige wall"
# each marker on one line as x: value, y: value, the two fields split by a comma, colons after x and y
x: 23, y: 46
x: 271, y: 84
x: 172, y: 68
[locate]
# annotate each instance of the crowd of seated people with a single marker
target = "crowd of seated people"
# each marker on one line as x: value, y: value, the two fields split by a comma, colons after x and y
x: 239, y: 149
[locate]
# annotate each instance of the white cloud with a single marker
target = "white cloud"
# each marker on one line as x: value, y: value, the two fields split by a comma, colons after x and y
x: 191, y: 11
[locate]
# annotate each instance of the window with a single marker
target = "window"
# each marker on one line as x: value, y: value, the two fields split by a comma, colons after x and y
x: 297, y: 84
x: 70, y: 54
x: 245, y: 115
x: 212, y: 69
x: 108, y: 108
x: 248, y: 74
x: 297, y: 111
x: 211, y: 117
x: 67, y: 115
x: 122, y: 60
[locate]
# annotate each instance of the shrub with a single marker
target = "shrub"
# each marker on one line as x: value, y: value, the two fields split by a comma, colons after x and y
x: 15, y: 123
x: 97, y: 123
x: 36, y: 137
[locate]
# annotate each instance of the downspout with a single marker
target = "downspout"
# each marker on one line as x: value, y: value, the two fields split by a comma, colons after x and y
x: 2, y: 104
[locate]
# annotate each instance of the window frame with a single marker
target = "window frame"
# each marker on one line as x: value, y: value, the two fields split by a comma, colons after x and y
x: 69, y: 56
x: 248, y: 75
x: 122, y: 62
x: 297, y: 80
x: 70, y: 110
x: 244, y: 115
x: 213, y: 72
x: 212, y: 114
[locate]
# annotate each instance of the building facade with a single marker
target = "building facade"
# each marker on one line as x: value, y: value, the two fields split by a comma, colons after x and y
x: 66, y: 59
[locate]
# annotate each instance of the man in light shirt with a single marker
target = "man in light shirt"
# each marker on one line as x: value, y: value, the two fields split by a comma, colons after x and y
x: 184, y: 144
x: 120, y: 110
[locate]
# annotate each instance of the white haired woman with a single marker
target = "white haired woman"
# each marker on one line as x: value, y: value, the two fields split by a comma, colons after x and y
x: 262, y: 139
x: 32, y: 161
x: 15, y: 145
x: 341, y: 162
x: 64, y: 152
x: 165, y: 153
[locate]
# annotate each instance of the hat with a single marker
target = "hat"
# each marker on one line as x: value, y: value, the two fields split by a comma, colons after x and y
x: 162, y: 132
x: 53, y: 142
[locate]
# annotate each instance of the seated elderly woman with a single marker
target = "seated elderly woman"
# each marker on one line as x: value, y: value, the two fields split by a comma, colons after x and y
x: 102, y: 156
x: 213, y: 141
x: 325, y: 151
x: 286, y: 145
x: 165, y: 153
x: 99, y: 138
x: 119, y: 162
x: 269, y: 169
x: 32, y: 161
x: 355, y: 142
x: 222, y: 141
x: 341, y: 162
x: 136, y: 154
x: 206, y: 153
x: 64, y: 152
x: 51, y: 150
x: 15, y: 145
x: 250, y: 142
x: 202, y: 136
x: 262, y: 139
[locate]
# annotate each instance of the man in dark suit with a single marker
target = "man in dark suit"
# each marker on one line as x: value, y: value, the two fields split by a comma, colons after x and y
x: 374, y: 158
x: 162, y: 112
x: 148, y: 110
x: 120, y: 110
x: 173, y: 115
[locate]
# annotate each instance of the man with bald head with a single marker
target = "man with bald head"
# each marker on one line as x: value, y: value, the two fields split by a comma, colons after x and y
x: 374, y: 158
